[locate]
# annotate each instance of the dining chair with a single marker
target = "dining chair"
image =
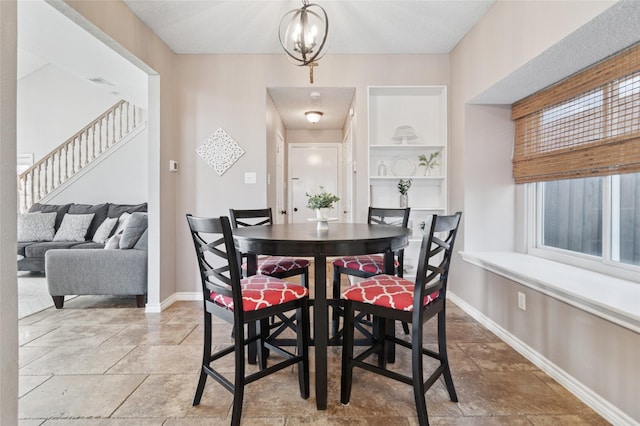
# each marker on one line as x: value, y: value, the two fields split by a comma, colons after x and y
x: 389, y: 297
x: 366, y: 266
x: 274, y: 266
x: 243, y: 301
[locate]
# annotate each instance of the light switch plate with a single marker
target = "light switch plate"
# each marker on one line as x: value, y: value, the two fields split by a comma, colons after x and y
x: 250, y: 177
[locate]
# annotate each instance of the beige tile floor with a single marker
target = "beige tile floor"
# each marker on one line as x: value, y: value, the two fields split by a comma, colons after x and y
x: 102, y: 361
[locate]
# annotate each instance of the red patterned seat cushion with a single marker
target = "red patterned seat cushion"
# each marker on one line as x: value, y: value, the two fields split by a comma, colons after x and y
x: 269, y: 265
x: 386, y: 290
x: 262, y: 291
x: 373, y: 264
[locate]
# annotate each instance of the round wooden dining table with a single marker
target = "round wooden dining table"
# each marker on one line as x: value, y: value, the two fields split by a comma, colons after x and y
x: 304, y: 240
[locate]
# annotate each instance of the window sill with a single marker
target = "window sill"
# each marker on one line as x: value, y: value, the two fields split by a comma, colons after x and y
x: 613, y: 299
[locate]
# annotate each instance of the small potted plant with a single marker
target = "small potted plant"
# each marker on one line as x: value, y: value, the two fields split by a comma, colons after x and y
x: 321, y: 202
x: 403, y: 189
x: 428, y: 163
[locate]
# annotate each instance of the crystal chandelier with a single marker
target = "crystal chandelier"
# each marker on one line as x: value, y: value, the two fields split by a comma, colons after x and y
x: 303, y: 35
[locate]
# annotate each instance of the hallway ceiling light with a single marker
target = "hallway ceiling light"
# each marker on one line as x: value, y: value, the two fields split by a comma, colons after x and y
x: 313, y: 116
x: 303, y: 34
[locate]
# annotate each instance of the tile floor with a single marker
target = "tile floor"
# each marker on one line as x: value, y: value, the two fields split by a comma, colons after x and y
x: 102, y: 361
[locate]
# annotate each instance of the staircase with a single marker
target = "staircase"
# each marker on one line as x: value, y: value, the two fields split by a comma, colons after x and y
x: 62, y: 163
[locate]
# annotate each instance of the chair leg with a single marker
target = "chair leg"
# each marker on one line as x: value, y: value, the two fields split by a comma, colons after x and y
x: 444, y: 358
x: 238, y: 391
x: 335, y: 321
x: 252, y: 349
x: 263, y: 332
x: 304, y: 278
x: 346, y: 379
x: 380, y: 336
x: 302, y: 318
x: 206, y: 359
x: 418, y: 376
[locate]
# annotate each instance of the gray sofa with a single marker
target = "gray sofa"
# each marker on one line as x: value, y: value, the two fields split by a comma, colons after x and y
x: 112, y: 259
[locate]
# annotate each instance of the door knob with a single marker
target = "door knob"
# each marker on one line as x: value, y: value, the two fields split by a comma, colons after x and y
x: 283, y: 212
x: 295, y: 209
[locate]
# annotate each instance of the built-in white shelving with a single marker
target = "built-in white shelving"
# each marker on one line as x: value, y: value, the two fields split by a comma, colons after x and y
x: 424, y: 108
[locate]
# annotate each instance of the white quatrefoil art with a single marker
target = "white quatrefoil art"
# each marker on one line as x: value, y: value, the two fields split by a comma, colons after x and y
x: 220, y: 151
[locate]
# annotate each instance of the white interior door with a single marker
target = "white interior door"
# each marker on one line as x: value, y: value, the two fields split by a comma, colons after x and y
x: 310, y: 167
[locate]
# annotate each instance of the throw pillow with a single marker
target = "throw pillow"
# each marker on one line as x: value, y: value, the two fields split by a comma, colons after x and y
x: 104, y: 230
x: 136, y: 225
x: 122, y: 222
x: 113, y: 243
x: 60, y: 209
x: 74, y: 227
x: 36, y: 226
x: 99, y: 211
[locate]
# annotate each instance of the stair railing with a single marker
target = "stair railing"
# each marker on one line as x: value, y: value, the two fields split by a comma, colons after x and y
x: 77, y: 152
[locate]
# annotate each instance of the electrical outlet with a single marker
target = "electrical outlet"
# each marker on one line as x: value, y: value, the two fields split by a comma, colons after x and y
x: 522, y: 301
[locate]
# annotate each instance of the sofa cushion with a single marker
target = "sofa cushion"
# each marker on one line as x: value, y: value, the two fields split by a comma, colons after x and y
x: 74, y: 227
x: 115, y: 210
x: 113, y: 243
x: 136, y: 225
x: 143, y: 241
x: 104, y: 230
x: 36, y: 226
x: 59, y: 209
x: 22, y: 246
x: 99, y: 211
x: 122, y: 222
x: 88, y: 245
x: 39, y: 249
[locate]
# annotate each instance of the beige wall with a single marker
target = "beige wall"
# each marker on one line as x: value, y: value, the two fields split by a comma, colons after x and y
x: 229, y: 91
x: 595, y: 352
x: 8, y: 284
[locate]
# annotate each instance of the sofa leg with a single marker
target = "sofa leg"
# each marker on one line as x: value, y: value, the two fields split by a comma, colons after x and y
x: 140, y: 300
x: 58, y: 301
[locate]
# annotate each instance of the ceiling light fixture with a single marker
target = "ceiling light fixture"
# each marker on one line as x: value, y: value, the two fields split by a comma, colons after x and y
x: 313, y: 116
x: 303, y: 34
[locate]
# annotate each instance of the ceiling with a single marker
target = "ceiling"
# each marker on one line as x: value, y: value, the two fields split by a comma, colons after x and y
x: 355, y: 27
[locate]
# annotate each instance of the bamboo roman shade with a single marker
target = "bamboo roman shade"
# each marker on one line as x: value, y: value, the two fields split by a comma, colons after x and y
x: 586, y: 125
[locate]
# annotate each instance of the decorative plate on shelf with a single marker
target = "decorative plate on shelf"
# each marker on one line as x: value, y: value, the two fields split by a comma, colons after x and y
x: 402, y: 166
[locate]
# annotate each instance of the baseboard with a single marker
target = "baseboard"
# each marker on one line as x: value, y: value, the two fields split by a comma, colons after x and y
x: 175, y: 297
x: 603, y: 407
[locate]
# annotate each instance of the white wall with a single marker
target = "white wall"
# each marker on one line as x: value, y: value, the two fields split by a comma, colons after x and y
x: 121, y: 177
x: 53, y: 105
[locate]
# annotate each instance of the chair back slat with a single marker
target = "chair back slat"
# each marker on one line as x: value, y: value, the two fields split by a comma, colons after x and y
x: 384, y: 216
x: 250, y: 217
x: 217, y: 258
x: 435, y: 257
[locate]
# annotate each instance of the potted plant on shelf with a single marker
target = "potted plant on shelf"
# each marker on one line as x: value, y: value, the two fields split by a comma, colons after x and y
x: 321, y: 202
x: 428, y: 163
x: 403, y: 189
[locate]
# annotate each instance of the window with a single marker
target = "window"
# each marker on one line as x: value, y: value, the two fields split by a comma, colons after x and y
x: 577, y: 146
x: 591, y: 222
